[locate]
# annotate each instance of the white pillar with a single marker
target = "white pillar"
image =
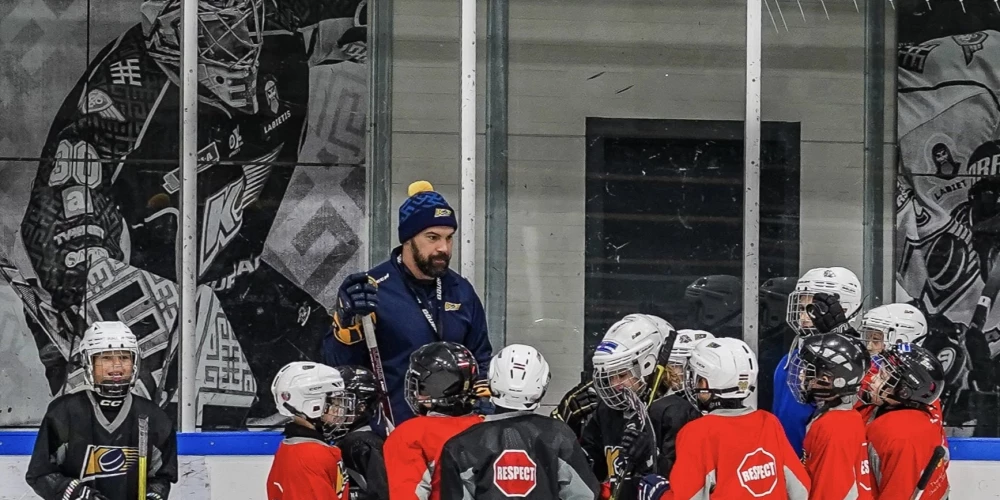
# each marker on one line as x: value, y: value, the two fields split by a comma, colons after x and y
x: 188, y: 211
x: 751, y: 182
x: 467, y: 225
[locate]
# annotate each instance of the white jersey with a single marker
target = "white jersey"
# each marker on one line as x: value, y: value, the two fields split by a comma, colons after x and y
x: 948, y: 109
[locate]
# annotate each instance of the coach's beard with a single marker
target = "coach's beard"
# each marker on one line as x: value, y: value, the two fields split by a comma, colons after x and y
x: 435, y: 265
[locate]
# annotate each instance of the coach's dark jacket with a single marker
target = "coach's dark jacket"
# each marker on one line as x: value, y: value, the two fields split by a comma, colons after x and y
x: 401, y: 327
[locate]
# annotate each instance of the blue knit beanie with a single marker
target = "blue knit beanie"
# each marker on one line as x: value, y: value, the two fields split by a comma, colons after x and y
x: 423, y: 209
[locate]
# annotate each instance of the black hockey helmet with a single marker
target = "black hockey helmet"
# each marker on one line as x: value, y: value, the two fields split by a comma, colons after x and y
x: 827, y: 366
x: 908, y: 374
x: 360, y: 382
x: 440, y: 379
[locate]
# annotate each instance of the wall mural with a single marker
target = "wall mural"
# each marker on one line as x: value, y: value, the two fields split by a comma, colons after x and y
x: 947, y: 189
x: 89, y: 199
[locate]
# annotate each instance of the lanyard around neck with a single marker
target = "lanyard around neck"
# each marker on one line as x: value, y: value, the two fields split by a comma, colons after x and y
x: 435, y: 325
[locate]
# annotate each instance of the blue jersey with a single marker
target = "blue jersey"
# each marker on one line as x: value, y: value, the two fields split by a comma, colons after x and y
x: 793, y: 415
x: 401, y: 326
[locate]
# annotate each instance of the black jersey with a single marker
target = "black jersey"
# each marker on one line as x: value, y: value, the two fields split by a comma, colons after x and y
x: 601, y: 440
x: 517, y: 454
x: 77, y: 445
x: 669, y: 414
x: 361, y: 450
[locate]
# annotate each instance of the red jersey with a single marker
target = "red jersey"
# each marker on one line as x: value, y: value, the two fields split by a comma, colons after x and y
x: 413, y: 449
x: 736, y: 455
x: 835, y: 453
x: 900, y: 444
x: 307, y: 469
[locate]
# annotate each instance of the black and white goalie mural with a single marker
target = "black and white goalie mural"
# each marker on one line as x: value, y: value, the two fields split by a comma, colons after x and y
x: 90, y: 222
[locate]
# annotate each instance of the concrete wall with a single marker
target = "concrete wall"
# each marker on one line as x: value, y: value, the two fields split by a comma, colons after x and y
x: 667, y: 59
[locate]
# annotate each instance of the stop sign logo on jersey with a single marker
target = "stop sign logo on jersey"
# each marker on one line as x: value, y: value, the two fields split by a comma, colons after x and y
x: 514, y: 473
x: 758, y: 472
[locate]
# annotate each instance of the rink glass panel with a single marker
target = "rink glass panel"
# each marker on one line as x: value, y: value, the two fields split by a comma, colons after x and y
x: 281, y: 205
x: 592, y: 238
x: 945, y: 246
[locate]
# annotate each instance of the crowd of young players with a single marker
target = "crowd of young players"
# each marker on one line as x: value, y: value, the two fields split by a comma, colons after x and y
x: 667, y: 414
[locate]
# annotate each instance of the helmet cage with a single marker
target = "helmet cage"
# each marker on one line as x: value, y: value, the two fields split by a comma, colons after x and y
x: 612, y: 380
x: 797, y: 314
x: 109, y: 389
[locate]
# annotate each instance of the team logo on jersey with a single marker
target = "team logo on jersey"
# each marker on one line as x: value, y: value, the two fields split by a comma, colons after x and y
x: 758, y: 473
x: 341, y: 483
x: 970, y: 43
x: 99, y: 102
x: 939, y: 150
x: 615, y: 461
x: 514, y: 473
x: 108, y: 461
x: 451, y: 306
x: 271, y: 93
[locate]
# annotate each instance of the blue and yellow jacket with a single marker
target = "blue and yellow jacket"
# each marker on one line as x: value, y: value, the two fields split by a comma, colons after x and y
x: 401, y: 327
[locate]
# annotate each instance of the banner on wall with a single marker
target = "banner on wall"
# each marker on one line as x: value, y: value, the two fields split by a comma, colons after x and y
x: 89, y: 225
x: 948, y: 196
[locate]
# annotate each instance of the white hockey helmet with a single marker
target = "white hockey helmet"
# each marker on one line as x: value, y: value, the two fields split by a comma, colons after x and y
x: 109, y: 336
x: 830, y: 280
x: 308, y: 390
x: 626, y: 356
x: 891, y: 324
x: 519, y: 377
x: 684, y: 345
x: 728, y: 367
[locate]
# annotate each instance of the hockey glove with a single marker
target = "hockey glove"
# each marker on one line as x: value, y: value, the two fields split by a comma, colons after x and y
x: 482, y: 388
x: 576, y: 406
x: 637, y: 446
x: 77, y: 491
x: 826, y: 312
x: 358, y: 295
x: 652, y: 487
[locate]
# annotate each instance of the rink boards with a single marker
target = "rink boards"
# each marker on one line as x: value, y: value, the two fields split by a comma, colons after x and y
x: 234, y: 466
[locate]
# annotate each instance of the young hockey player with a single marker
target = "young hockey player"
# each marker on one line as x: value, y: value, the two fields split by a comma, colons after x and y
x: 670, y: 412
x: 905, y: 431
x: 826, y: 373
x: 88, y: 442
x: 884, y: 326
x: 733, y: 452
x: 823, y: 301
x: 307, y: 465
x: 516, y: 453
x: 439, y: 390
x: 362, y: 445
x: 617, y: 441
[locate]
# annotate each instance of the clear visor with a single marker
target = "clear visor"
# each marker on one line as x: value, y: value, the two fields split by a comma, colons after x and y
x: 798, y: 316
x: 614, y: 383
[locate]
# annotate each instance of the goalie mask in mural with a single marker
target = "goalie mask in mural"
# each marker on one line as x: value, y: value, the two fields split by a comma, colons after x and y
x: 230, y: 36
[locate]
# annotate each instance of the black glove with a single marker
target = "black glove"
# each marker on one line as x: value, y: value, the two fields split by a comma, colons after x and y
x: 637, y: 447
x: 358, y: 295
x: 77, y: 491
x: 576, y: 406
x: 826, y: 312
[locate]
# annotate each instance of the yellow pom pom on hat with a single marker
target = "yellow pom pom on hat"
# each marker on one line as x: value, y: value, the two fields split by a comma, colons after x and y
x: 419, y: 187
x: 423, y: 208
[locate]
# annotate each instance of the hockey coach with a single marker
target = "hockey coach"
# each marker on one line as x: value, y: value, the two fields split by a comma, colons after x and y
x: 414, y: 299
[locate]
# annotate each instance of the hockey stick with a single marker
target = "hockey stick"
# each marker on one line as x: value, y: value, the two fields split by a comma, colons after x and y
x: 143, y: 453
x: 368, y: 331
x: 925, y: 476
x: 638, y: 411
